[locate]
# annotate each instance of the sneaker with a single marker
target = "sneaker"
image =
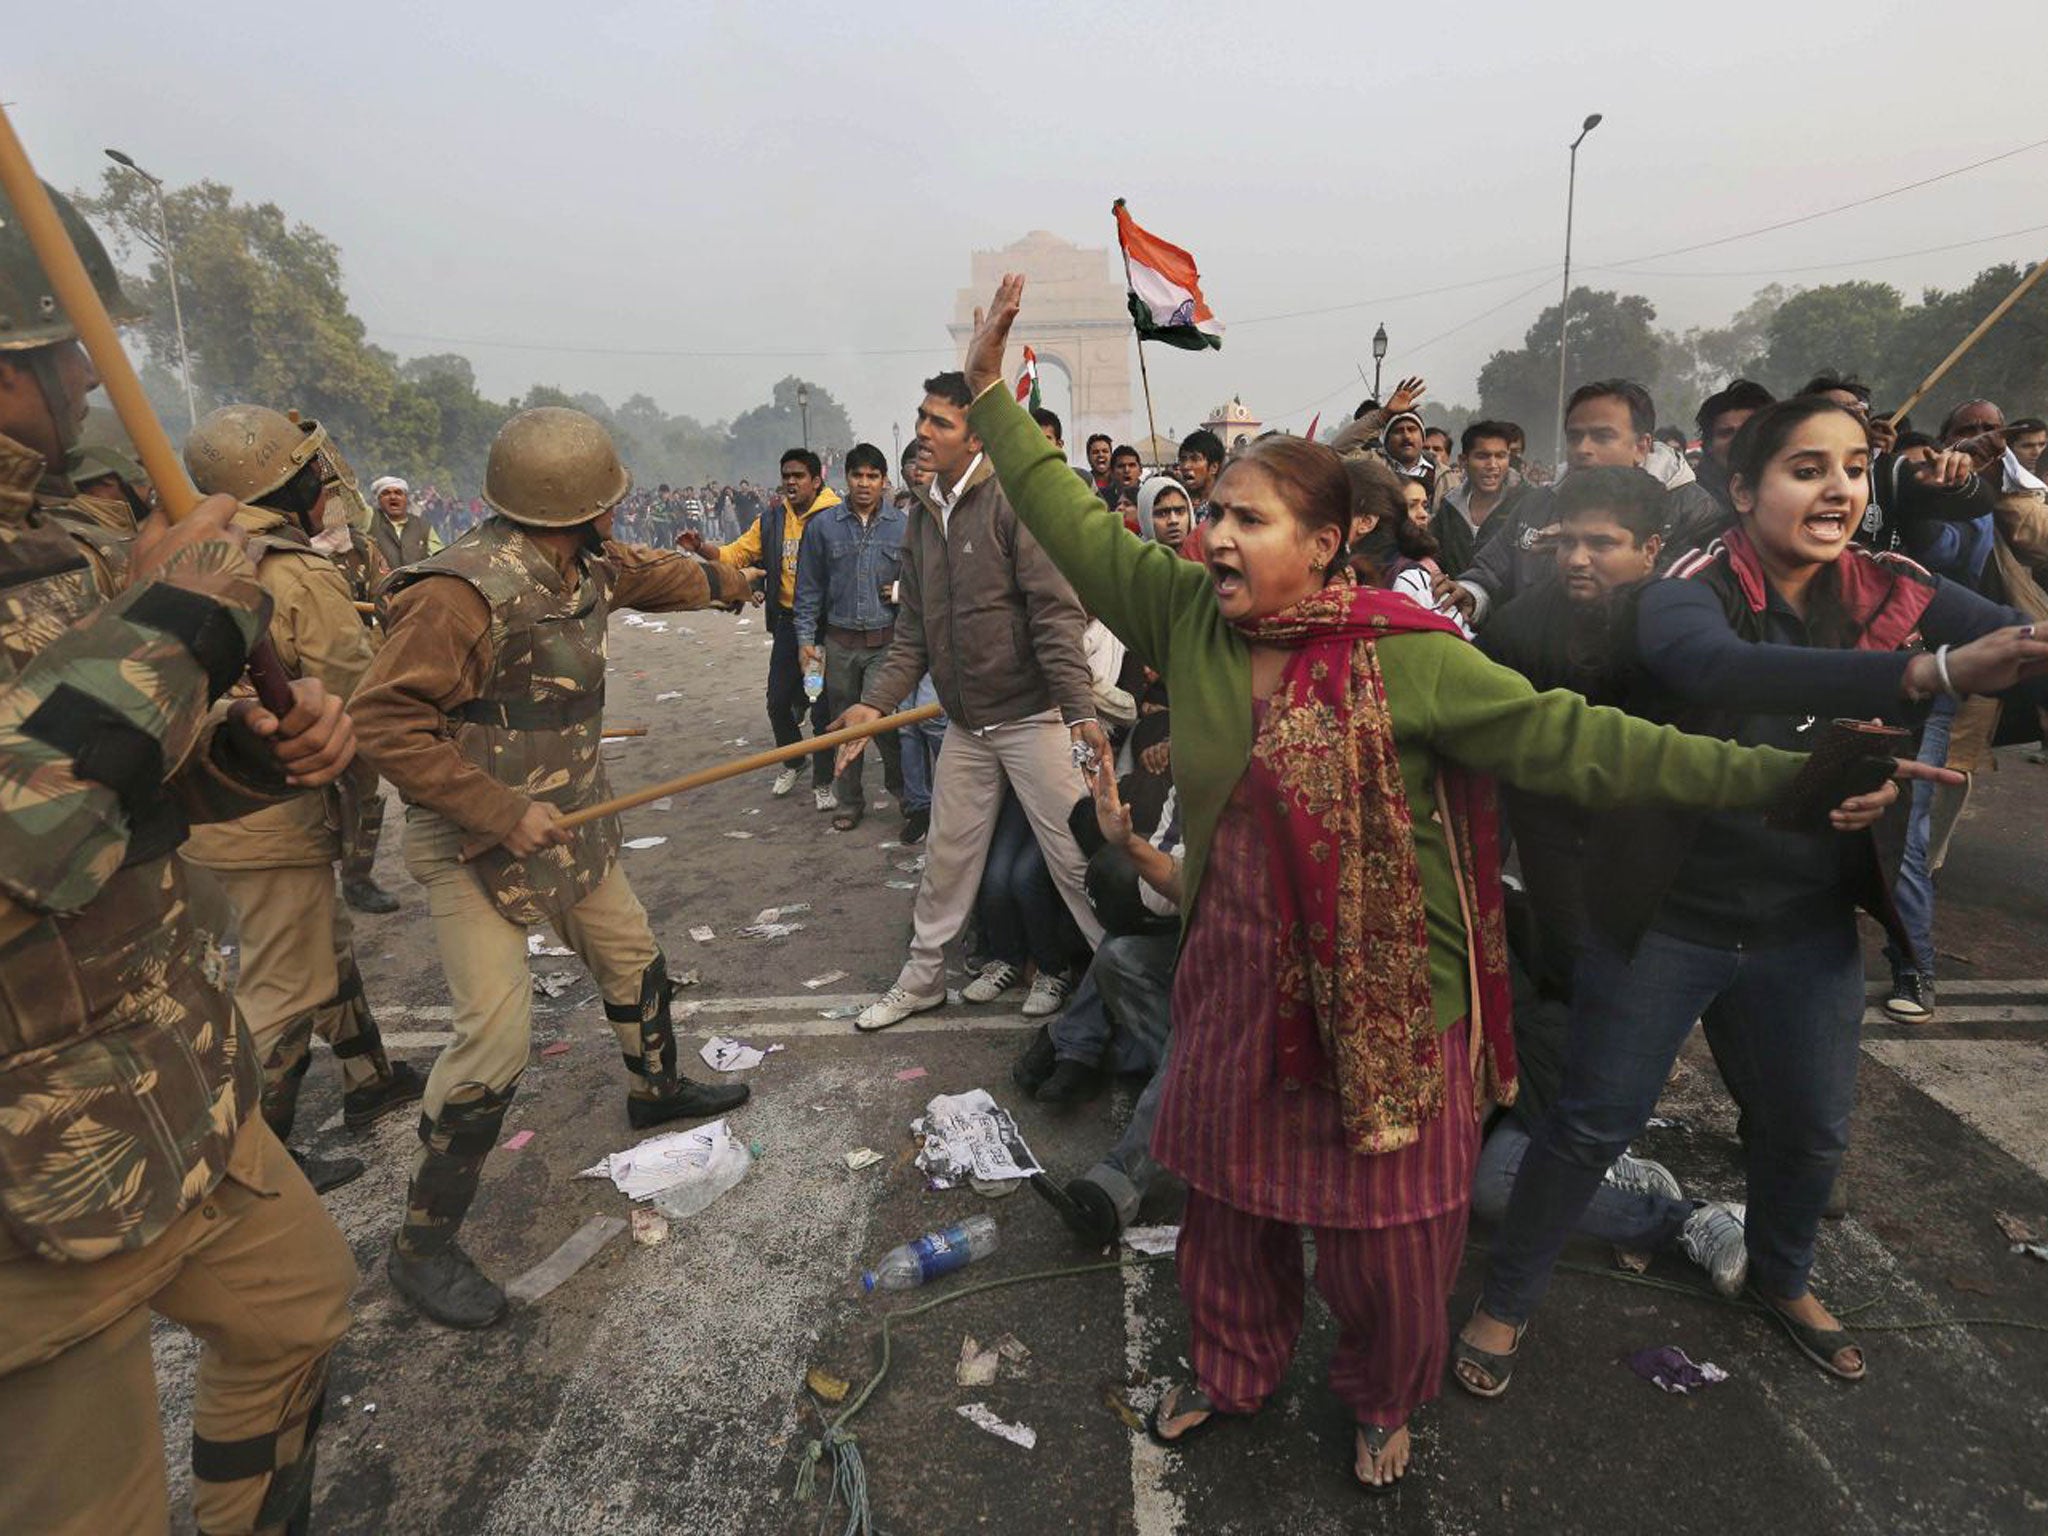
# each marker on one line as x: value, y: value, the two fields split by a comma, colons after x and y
x: 893, y: 1007
x: 825, y: 797
x: 996, y: 978
x: 915, y: 826
x: 785, y: 781
x: 1911, y: 1000
x: 1047, y: 997
x: 1640, y: 1176
x: 1712, y: 1238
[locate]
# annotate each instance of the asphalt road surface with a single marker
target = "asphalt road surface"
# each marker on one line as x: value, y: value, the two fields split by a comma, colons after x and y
x: 662, y: 1388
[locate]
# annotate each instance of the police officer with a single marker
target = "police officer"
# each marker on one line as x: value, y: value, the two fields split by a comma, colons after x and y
x: 277, y: 865
x: 135, y: 1173
x: 485, y: 709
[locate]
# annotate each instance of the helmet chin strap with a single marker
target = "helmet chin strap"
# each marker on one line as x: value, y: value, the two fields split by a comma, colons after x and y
x: 64, y: 428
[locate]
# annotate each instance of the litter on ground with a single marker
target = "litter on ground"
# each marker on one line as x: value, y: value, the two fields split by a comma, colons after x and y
x: 981, y: 1416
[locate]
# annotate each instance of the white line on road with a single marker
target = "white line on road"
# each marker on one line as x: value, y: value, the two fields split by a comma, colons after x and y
x: 742, y: 1012
x: 1978, y: 987
x: 1983, y: 1013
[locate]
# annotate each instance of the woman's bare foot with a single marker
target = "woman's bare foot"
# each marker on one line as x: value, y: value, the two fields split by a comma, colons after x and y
x: 1808, y: 1312
x: 1383, y: 1469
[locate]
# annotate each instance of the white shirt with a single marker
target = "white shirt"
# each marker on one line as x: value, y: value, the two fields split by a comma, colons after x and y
x: 946, y: 499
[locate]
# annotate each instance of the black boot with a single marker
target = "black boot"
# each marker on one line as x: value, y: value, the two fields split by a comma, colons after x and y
x: 662, y: 1094
x: 1036, y: 1065
x: 1085, y: 1207
x: 325, y: 1173
x: 684, y: 1100
x: 446, y: 1285
x: 1072, y: 1082
x: 363, y: 1107
x: 366, y: 895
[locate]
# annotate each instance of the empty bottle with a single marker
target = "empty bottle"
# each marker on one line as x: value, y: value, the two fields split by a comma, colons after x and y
x: 814, y: 682
x: 936, y: 1253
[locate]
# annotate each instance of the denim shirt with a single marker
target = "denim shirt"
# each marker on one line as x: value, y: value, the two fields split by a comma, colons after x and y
x: 842, y: 566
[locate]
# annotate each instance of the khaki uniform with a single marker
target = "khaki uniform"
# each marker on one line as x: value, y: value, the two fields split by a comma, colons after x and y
x: 134, y: 1175
x: 488, y: 694
x: 298, y: 973
x: 365, y: 569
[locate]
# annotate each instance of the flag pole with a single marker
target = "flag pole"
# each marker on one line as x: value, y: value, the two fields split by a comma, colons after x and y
x: 1144, y: 377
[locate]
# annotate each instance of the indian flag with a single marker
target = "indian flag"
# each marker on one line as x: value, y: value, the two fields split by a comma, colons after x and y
x: 1027, y: 381
x: 1166, y: 290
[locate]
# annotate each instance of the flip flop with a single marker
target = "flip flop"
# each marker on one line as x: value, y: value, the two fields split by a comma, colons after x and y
x: 1376, y: 1445
x: 1184, y: 1399
x: 1820, y: 1345
x: 1499, y: 1368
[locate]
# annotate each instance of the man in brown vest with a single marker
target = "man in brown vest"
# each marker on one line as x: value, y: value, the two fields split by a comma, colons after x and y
x: 485, y: 708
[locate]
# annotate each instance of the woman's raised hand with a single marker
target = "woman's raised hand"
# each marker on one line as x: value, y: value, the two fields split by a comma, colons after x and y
x: 992, y: 333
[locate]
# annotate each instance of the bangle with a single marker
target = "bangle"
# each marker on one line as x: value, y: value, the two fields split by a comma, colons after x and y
x: 1941, y: 671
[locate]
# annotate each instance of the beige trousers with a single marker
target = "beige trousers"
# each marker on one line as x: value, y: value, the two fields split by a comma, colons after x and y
x: 484, y: 955
x: 1034, y: 757
x: 259, y: 1271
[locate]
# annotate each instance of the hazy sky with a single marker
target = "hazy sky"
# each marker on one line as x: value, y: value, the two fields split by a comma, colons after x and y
x: 587, y: 195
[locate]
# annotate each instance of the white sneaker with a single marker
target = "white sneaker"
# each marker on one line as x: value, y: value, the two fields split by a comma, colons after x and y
x: 893, y: 1007
x: 1640, y: 1176
x: 1713, y: 1239
x: 996, y: 978
x: 1047, y: 997
x: 825, y: 798
x: 785, y: 781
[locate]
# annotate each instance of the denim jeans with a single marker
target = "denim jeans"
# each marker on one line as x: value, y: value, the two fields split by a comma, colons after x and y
x: 1637, y: 1220
x: 1913, y: 895
x: 1022, y: 915
x: 1784, y: 1024
x: 787, y: 705
x: 920, y: 745
x: 1122, y: 1010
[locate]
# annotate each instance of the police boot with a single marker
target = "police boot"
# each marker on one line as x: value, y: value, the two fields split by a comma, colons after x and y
x: 283, y: 1071
x: 661, y: 1094
x: 366, y: 895
x: 373, y: 1085
x: 363, y: 1107
x: 426, y: 1265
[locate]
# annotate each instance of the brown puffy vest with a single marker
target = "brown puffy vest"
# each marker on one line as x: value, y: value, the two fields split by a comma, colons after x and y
x: 540, y: 720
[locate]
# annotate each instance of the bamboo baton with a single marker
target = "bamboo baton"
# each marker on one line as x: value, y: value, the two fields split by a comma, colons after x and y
x: 1969, y: 341
x: 81, y: 302
x: 733, y: 769
x: 620, y: 732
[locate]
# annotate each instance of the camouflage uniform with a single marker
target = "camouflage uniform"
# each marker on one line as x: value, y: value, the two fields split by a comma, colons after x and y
x: 488, y: 695
x: 134, y: 1176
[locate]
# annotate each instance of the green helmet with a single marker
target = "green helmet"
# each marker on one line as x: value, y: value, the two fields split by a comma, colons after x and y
x: 29, y: 313
x: 248, y: 451
x: 552, y: 467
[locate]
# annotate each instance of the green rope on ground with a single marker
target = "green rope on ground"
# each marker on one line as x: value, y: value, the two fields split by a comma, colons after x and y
x: 849, y: 1474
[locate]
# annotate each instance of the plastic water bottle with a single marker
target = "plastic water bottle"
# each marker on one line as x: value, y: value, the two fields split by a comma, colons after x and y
x: 814, y: 682
x: 935, y: 1254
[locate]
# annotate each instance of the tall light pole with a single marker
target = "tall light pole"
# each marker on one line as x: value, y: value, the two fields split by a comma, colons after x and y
x: 1564, y: 308
x: 803, y: 405
x: 163, y: 227
x: 1379, y: 355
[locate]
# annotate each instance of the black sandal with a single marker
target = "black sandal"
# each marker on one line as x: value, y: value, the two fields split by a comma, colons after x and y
x: 1498, y: 1368
x: 1184, y: 1399
x: 1376, y: 1446
x: 1820, y: 1345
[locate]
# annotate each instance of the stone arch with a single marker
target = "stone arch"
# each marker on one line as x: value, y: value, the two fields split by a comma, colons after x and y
x: 1075, y: 317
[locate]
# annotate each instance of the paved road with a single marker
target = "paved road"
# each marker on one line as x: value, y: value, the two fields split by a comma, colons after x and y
x: 660, y: 1389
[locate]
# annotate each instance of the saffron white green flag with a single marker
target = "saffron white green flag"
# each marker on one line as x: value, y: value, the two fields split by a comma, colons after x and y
x: 1166, y: 290
x: 1027, y: 381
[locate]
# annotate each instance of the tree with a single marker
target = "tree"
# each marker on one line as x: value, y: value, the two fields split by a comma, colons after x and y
x: 1707, y: 358
x: 757, y: 438
x: 2008, y: 367
x: 1842, y: 328
x: 1613, y: 336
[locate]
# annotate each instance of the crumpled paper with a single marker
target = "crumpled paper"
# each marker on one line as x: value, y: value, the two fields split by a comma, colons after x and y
x: 969, y: 1135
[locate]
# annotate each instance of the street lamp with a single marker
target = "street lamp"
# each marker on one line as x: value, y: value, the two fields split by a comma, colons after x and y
x: 803, y: 405
x: 163, y: 226
x: 1379, y: 355
x: 1564, y: 308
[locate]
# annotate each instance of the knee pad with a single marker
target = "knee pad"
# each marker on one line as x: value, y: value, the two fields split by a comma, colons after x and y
x: 657, y: 1058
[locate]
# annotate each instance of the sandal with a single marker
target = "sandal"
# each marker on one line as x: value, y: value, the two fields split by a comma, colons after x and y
x: 1498, y: 1369
x: 1173, y: 1402
x: 1376, y: 1440
x: 846, y: 821
x: 1820, y: 1345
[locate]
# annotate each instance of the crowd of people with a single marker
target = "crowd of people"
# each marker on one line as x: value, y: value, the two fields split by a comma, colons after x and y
x: 1275, y: 782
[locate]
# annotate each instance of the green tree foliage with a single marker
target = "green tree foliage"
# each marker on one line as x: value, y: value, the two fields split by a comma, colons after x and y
x: 762, y: 435
x: 1840, y: 328
x: 1613, y: 335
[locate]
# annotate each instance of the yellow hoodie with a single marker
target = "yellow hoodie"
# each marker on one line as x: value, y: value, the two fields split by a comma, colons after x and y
x: 746, y: 549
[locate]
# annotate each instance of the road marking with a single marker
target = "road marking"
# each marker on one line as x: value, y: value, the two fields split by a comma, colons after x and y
x: 1977, y: 987
x: 752, y: 1015
x: 1999, y: 1088
x: 1982, y: 1013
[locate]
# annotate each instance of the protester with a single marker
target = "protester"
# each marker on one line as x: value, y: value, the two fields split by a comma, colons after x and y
x: 998, y: 629
x: 1488, y: 498
x: 2026, y: 437
x: 1164, y: 513
x: 771, y: 546
x: 1126, y: 470
x: 847, y: 567
x: 1719, y: 418
x: 1307, y: 1083
x: 1100, y: 448
x: 400, y: 537
x: 1724, y: 918
x: 1401, y: 443
x: 1200, y: 462
x: 920, y: 742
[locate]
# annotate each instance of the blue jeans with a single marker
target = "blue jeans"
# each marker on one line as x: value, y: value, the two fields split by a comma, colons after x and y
x: 1122, y: 1010
x: 921, y: 749
x: 1634, y: 1219
x: 1022, y: 915
x: 1913, y: 895
x: 1785, y: 1025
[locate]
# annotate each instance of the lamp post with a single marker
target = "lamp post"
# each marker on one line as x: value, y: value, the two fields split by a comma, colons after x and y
x: 1379, y: 355
x: 163, y: 226
x: 803, y: 405
x: 1564, y: 308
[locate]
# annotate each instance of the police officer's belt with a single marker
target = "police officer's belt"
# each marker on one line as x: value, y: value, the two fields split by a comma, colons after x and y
x: 531, y: 714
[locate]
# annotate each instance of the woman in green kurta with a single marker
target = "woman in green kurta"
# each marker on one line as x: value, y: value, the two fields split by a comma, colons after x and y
x: 1331, y: 1043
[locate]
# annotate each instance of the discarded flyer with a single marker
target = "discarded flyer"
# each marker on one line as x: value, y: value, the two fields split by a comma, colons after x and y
x: 645, y: 842
x: 1671, y: 1369
x: 862, y: 1157
x: 739, y: 836
x: 901, y: 885
x: 770, y: 930
x: 2018, y: 1229
x: 688, y: 978
x: 673, y: 693
x: 910, y: 1074
x: 581, y: 1247
x: 559, y: 1048
x: 911, y: 866
x: 1152, y: 1240
x: 981, y: 1416
x: 553, y: 983
x: 846, y: 1011
x: 702, y: 935
x: 649, y: 1226
x: 830, y: 1388
x: 969, y: 1135
x: 722, y: 1054
x: 977, y: 1367
x: 537, y: 944
x: 662, y: 1162
x: 665, y: 803
x: 777, y: 914
x: 825, y: 980
x: 517, y: 1140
